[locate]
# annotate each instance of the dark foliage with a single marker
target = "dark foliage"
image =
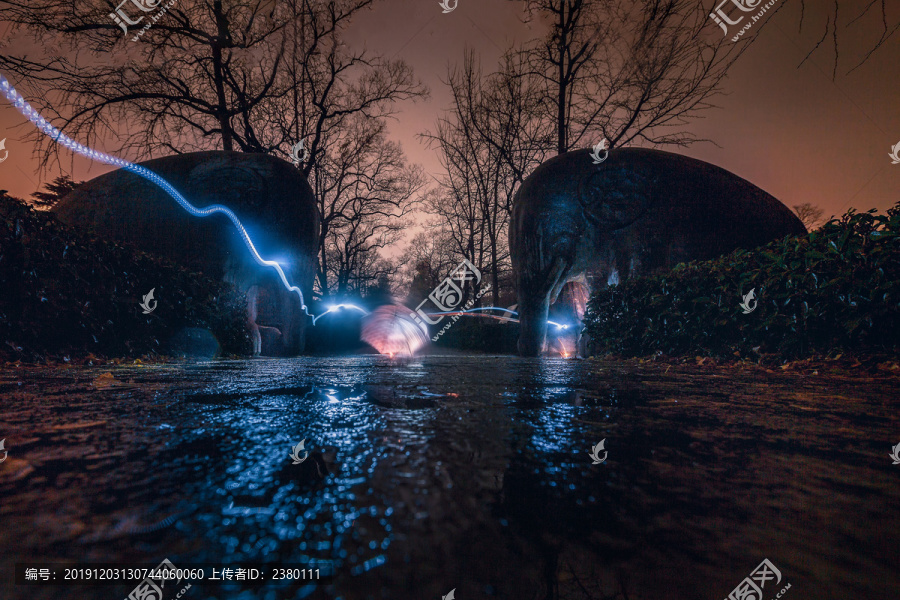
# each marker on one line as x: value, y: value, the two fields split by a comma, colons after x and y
x: 477, y: 334
x: 836, y: 289
x: 66, y: 295
x: 55, y: 191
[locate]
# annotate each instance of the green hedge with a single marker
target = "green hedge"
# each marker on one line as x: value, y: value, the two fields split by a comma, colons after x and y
x: 64, y: 295
x: 838, y: 288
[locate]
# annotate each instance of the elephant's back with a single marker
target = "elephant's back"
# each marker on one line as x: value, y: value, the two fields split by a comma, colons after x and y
x: 269, y: 195
x: 733, y: 212
x: 637, y: 188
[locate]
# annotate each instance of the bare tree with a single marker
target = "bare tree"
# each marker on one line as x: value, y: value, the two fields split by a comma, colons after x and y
x: 425, y: 262
x: 249, y: 76
x: 255, y: 76
x: 357, y: 271
x: 192, y: 83
x: 617, y: 69
x: 625, y: 70
x: 456, y: 207
x: 364, y: 188
x: 853, y: 16
x: 488, y: 142
x: 809, y: 214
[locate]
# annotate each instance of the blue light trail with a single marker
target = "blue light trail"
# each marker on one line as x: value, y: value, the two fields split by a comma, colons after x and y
x: 56, y: 135
x: 467, y: 313
x: 338, y: 307
x: 471, y: 310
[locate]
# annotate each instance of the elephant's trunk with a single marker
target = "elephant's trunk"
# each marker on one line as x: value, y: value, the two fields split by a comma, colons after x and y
x: 533, y: 324
x: 538, y: 282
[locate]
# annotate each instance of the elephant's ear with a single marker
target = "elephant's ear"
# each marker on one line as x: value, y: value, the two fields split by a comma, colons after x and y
x: 615, y: 196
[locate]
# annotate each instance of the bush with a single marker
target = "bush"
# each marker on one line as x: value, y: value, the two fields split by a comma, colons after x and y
x: 477, y: 334
x: 836, y: 288
x: 63, y: 293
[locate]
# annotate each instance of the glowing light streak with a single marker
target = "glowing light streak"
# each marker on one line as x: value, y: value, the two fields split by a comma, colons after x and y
x: 337, y: 307
x: 57, y: 136
x: 471, y: 310
x: 467, y: 313
x: 506, y: 310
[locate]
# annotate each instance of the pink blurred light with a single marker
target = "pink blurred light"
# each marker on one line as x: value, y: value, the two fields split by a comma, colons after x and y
x: 391, y: 331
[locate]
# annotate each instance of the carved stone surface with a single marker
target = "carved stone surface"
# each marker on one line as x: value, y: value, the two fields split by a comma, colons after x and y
x: 269, y: 196
x: 637, y: 212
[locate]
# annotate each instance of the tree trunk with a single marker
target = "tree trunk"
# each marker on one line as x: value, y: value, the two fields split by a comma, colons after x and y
x: 562, y: 143
x: 495, y: 278
x: 222, y: 108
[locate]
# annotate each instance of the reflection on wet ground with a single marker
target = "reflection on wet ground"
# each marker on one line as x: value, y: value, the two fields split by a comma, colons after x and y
x: 470, y: 473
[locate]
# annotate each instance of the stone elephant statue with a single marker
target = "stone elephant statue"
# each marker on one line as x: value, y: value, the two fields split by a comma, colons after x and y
x: 270, y: 197
x: 637, y: 212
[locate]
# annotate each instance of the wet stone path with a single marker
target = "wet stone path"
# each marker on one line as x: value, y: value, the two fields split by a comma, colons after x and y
x: 467, y: 473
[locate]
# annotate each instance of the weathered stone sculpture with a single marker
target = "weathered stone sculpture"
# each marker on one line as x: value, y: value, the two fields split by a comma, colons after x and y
x: 269, y: 196
x: 637, y: 212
